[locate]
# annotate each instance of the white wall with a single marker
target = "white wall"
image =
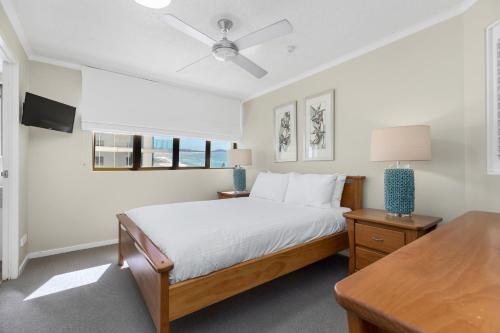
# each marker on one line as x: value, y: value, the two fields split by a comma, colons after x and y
x: 69, y: 204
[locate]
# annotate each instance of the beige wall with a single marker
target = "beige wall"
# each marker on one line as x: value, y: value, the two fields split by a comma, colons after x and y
x: 418, y: 80
x: 8, y: 35
x: 482, y: 190
x: 69, y: 204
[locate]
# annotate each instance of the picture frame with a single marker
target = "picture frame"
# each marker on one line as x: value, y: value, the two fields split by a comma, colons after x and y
x: 285, y: 132
x: 319, y: 127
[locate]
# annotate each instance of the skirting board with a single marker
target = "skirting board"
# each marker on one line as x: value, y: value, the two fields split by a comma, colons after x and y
x: 61, y: 250
x: 78, y: 247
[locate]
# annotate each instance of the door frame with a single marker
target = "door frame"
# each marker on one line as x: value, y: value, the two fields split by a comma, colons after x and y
x: 10, y: 142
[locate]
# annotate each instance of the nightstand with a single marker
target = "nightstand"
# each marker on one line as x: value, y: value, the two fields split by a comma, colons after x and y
x: 232, y: 194
x: 373, y: 234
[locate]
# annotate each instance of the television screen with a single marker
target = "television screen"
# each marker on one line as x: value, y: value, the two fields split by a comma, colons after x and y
x: 45, y: 113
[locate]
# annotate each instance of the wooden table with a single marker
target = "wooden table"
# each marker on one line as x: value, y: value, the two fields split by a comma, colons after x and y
x: 447, y: 281
x: 373, y: 234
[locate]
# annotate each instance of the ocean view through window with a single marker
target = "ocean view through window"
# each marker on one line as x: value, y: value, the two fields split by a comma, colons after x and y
x: 218, y: 154
x: 156, y: 152
x: 192, y: 153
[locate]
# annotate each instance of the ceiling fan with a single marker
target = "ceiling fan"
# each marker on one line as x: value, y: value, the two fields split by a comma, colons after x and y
x: 227, y: 50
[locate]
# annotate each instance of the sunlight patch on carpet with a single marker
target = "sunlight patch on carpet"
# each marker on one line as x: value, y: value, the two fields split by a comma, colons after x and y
x: 125, y: 265
x: 69, y: 280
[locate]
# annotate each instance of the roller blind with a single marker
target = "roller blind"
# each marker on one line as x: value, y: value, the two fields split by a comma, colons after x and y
x: 118, y: 103
x: 493, y: 110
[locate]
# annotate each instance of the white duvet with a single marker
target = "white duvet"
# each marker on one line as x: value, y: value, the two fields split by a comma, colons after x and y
x: 205, y: 236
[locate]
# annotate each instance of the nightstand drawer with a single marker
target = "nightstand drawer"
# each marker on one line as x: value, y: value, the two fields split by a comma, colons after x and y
x: 365, y: 257
x: 381, y: 239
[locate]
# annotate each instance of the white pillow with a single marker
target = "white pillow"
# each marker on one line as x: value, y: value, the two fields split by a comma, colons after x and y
x: 311, y: 190
x: 271, y: 186
x: 339, y: 188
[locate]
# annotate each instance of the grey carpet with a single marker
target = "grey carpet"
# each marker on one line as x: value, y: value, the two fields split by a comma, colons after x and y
x: 299, y: 302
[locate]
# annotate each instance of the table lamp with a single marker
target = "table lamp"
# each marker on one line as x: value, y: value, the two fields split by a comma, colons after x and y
x: 238, y: 158
x: 405, y: 143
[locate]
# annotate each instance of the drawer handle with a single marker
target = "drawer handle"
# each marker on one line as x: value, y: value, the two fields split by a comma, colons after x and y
x: 377, y: 239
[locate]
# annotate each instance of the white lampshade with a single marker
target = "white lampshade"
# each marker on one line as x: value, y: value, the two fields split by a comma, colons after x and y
x: 240, y: 157
x: 405, y: 143
x: 156, y: 4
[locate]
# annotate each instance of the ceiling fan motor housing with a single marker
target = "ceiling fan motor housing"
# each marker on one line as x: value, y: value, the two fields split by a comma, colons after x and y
x: 224, y: 50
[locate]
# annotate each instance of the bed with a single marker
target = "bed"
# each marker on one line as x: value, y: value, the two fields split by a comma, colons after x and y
x: 224, y: 247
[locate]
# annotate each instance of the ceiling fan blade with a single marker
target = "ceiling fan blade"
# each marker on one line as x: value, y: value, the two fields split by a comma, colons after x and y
x: 175, y: 23
x: 272, y: 31
x: 249, y: 66
x: 193, y: 63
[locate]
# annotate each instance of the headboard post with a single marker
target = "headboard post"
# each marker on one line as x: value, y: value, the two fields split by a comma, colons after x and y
x: 352, y: 196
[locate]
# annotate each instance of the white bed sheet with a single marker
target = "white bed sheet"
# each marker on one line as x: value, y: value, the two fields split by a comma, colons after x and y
x: 205, y: 236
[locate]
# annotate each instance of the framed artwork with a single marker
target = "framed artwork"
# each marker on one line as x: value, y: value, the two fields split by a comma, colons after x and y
x: 319, y: 127
x: 285, y: 132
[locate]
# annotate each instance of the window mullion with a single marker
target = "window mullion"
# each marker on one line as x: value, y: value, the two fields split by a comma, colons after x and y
x: 175, y: 153
x: 207, y: 154
x: 136, y: 152
x: 93, y: 151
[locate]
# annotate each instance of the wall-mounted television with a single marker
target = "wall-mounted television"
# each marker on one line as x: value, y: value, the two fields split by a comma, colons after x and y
x: 42, y: 112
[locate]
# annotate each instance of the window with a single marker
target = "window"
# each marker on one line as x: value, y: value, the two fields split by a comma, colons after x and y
x: 113, y: 151
x: 218, y: 154
x: 99, y: 160
x: 192, y: 153
x: 493, y: 102
x: 157, y: 152
x: 129, y: 152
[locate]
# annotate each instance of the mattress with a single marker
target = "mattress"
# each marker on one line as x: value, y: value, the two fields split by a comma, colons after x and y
x: 205, y: 236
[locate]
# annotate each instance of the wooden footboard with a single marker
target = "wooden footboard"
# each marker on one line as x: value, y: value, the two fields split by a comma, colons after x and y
x: 195, y: 294
x: 165, y: 302
x: 150, y: 268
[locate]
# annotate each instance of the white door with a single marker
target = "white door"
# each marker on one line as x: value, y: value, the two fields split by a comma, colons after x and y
x: 2, y: 218
x: 9, y: 134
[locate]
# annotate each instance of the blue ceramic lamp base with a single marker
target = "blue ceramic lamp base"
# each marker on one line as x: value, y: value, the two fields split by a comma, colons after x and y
x: 239, y: 179
x: 399, y: 191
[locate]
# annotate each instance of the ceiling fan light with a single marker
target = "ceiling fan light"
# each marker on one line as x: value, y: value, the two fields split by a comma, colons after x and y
x: 156, y: 4
x: 224, y: 50
x: 224, y: 53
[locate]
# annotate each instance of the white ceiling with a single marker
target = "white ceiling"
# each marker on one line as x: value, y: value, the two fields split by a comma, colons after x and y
x: 122, y: 36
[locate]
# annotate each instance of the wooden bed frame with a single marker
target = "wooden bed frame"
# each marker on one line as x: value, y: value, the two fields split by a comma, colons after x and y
x: 165, y: 302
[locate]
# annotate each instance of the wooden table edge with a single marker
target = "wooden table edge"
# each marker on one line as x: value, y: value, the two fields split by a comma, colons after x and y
x: 379, y: 318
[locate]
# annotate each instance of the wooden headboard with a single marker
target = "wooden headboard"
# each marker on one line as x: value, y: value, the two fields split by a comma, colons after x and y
x: 352, y: 196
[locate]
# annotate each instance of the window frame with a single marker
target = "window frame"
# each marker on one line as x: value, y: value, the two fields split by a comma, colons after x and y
x: 492, y: 99
x: 137, y: 157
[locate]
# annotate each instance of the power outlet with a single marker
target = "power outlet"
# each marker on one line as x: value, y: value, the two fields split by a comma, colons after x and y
x: 24, y: 240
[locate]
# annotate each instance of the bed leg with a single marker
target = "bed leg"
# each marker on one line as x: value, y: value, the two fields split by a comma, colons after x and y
x: 164, y: 325
x: 120, y: 256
